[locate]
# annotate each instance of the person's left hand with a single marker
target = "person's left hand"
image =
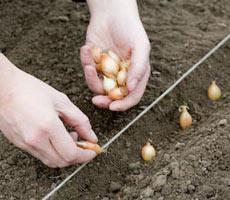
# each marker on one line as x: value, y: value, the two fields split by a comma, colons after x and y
x: 123, y: 33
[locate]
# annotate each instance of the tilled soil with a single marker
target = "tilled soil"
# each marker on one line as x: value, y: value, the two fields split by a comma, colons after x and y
x: 44, y: 37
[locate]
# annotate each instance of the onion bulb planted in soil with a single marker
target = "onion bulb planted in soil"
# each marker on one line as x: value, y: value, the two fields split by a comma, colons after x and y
x: 148, y: 153
x: 185, y: 117
x: 214, y: 92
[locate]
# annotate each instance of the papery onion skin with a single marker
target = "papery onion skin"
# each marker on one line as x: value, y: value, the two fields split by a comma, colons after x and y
x: 214, y: 92
x: 114, y: 56
x: 117, y: 93
x: 148, y: 153
x: 96, y: 53
x: 109, y: 84
x: 90, y: 146
x: 125, y: 64
x: 108, y: 66
x: 121, y: 77
x: 185, y: 118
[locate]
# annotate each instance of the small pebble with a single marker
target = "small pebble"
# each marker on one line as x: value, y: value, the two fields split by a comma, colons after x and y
x: 226, y: 181
x: 159, y: 182
x: 208, y: 191
x: 223, y: 122
x: 167, y: 157
x: 114, y: 187
x: 191, y: 189
x: 179, y: 145
x: 134, y: 166
x: 148, y: 192
x: 175, y: 169
x: 166, y: 190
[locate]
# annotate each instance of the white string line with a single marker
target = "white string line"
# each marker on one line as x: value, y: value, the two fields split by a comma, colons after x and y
x: 105, y: 146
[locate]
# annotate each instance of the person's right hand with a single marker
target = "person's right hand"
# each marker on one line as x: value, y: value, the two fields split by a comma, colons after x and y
x: 29, y: 118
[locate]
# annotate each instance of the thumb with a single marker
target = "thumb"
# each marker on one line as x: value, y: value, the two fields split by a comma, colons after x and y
x: 139, y: 64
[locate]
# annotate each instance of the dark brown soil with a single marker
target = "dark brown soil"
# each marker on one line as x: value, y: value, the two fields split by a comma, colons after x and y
x: 44, y: 37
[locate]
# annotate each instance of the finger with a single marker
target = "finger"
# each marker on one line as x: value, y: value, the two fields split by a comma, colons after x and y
x: 86, y: 55
x: 74, y: 117
x: 74, y: 135
x: 91, y: 76
x: 47, y: 150
x: 133, y: 98
x: 93, y: 81
x: 66, y: 147
x: 101, y: 101
x: 139, y: 61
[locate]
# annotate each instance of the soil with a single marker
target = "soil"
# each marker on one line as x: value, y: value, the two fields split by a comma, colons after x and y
x: 44, y: 37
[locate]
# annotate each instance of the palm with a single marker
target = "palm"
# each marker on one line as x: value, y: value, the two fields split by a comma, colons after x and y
x: 128, y: 39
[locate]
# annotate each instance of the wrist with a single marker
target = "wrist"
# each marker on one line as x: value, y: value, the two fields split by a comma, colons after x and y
x: 112, y: 7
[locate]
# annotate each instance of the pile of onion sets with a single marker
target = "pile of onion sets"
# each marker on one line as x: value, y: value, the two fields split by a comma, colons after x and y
x: 114, y: 71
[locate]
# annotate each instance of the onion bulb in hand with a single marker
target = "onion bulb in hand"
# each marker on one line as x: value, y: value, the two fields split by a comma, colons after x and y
x: 121, y: 77
x: 90, y: 146
x: 109, y: 84
x: 117, y: 93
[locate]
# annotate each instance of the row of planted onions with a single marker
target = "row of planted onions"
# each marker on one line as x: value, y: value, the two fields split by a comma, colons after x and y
x: 114, y: 71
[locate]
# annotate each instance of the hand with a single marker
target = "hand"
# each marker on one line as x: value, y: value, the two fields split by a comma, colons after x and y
x: 116, y: 25
x: 29, y: 118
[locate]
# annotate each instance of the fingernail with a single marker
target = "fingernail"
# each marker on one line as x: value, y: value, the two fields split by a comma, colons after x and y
x: 94, y: 137
x: 132, y: 85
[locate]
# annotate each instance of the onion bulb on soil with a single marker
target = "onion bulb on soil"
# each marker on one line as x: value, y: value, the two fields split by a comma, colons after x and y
x: 214, y: 92
x: 148, y: 153
x: 121, y: 77
x: 96, y: 53
x: 109, y: 84
x: 90, y: 146
x: 108, y: 66
x: 117, y: 93
x: 185, y: 117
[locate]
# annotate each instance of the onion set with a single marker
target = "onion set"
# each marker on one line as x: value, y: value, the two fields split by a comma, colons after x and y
x: 90, y: 146
x: 185, y: 117
x: 148, y: 153
x: 214, y: 92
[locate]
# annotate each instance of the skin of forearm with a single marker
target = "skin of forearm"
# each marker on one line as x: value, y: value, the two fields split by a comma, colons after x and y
x: 112, y: 6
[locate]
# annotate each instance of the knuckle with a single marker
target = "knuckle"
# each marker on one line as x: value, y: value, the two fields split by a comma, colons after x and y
x: 45, y: 126
x: 64, y: 98
x: 31, y: 140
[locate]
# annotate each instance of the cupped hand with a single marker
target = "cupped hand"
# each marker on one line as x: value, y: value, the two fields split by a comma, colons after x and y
x: 30, y: 112
x: 118, y: 28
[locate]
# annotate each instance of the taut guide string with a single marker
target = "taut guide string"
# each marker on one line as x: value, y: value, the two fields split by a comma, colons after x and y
x: 105, y: 146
